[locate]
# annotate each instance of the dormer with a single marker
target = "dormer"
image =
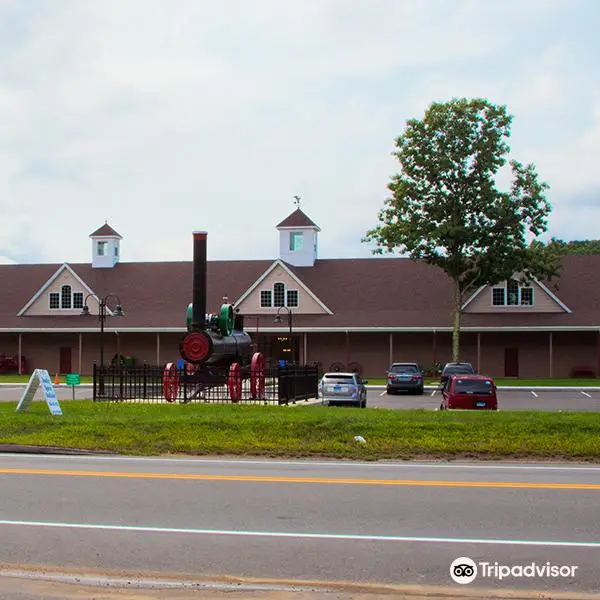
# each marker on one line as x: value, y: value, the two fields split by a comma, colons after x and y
x: 298, y: 240
x: 105, y: 247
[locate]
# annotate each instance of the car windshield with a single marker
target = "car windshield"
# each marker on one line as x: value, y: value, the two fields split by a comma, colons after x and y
x: 404, y: 369
x: 473, y: 386
x: 459, y: 369
x: 338, y: 379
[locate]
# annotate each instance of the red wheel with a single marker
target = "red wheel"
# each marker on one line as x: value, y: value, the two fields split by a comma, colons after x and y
x: 195, y: 347
x: 170, y: 382
x: 234, y: 382
x: 257, y: 375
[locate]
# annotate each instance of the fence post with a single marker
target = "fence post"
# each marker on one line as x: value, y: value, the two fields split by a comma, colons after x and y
x: 94, y: 375
x: 144, y: 380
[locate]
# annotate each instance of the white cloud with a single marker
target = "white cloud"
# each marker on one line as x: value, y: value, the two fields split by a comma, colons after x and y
x: 168, y: 117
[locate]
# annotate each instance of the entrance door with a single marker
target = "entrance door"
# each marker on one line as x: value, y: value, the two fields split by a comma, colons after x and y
x: 511, y: 362
x: 65, y: 361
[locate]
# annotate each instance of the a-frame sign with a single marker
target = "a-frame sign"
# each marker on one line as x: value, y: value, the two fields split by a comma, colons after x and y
x: 40, y: 377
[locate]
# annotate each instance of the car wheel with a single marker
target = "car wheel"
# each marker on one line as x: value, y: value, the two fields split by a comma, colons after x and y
x: 420, y: 391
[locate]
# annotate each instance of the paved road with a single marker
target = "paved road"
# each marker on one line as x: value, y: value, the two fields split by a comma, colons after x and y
x: 383, y: 523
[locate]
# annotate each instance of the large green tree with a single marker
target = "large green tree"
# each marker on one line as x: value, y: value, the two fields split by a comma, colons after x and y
x: 446, y: 207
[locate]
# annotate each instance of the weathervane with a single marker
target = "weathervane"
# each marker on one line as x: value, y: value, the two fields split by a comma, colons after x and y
x: 297, y: 201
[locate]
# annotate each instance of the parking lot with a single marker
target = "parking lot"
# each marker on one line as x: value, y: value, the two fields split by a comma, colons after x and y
x: 583, y: 400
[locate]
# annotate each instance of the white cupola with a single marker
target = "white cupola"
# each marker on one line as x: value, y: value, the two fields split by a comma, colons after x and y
x: 105, y: 247
x: 298, y: 240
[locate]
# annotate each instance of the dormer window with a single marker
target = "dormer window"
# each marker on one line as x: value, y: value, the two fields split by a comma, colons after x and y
x: 512, y: 294
x: 296, y: 241
x: 65, y: 299
x: 102, y: 246
x: 278, y: 296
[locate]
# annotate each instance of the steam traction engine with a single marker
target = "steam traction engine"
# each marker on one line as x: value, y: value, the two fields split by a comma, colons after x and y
x: 216, y: 349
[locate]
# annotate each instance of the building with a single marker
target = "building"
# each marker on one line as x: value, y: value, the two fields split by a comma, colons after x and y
x: 350, y: 313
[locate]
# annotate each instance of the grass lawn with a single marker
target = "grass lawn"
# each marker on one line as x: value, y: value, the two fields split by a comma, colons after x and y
x: 314, y: 431
x: 508, y: 381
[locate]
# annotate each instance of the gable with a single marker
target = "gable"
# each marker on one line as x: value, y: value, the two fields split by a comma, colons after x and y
x: 64, y: 293
x: 307, y: 302
x: 533, y: 297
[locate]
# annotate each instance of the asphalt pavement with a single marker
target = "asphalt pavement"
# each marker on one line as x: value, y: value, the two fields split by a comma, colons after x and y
x: 396, y: 524
x: 572, y: 399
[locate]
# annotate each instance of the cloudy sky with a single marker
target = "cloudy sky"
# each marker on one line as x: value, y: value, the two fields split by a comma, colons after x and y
x: 167, y: 116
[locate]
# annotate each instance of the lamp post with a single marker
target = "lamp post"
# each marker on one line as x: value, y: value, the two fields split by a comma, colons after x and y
x: 290, y: 319
x: 102, y: 314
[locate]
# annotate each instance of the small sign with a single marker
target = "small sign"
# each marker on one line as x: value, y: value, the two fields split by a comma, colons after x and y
x: 73, y: 379
x: 40, y: 377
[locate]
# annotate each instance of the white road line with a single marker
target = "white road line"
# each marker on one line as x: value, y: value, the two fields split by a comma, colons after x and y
x: 300, y: 535
x: 433, y: 393
x: 383, y: 393
x: 534, y: 394
x: 217, y: 461
x: 586, y: 394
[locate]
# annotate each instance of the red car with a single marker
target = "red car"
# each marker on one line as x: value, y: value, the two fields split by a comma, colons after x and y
x: 469, y: 392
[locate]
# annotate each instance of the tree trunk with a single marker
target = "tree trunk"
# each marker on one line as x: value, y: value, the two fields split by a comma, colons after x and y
x: 456, y: 324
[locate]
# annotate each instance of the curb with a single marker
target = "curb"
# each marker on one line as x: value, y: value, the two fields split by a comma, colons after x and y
x: 26, y: 449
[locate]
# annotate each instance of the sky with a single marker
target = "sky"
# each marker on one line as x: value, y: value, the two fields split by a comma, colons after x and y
x: 167, y: 117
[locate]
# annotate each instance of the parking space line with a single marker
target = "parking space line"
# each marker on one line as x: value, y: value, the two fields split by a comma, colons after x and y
x: 433, y: 393
x: 534, y: 394
x: 383, y: 393
x: 586, y: 394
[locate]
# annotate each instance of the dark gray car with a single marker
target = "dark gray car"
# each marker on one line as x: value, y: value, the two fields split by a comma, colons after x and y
x: 405, y: 377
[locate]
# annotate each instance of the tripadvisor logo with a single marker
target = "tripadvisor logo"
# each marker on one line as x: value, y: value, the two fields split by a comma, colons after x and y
x: 464, y: 570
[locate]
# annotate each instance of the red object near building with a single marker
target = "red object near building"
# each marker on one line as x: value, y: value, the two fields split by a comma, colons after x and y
x: 9, y: 364
x: 469, y: 392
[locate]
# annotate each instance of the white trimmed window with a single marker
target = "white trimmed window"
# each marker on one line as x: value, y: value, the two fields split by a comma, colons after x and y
x: 279, y: 296
x: 266, y: 299
x: 512, y: 294
x: 296, y: 241
x: 65, y: 299
x: 54, y: 300
x: 292, y: 298
x: 102, y: 248
x: 78, y: 300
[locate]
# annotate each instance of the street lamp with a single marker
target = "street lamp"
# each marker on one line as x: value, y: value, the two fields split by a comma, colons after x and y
x: 102, y: 314
x: 290, y: 318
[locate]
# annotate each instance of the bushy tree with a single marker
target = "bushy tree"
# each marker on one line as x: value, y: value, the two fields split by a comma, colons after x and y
x: 446, y: 208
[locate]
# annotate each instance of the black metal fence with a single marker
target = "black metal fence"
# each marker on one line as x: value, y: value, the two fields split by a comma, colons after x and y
x: 157, y: 384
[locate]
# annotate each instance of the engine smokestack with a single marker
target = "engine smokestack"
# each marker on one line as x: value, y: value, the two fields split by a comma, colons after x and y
x: 199, y: 283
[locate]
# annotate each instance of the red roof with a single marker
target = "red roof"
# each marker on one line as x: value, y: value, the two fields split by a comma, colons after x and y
x: 297, y: 219
x: 372, y: 293
x: 105, y: 231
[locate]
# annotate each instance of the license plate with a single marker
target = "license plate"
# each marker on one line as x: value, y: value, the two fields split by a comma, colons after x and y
x: 405, y: 377
x: 337, y: 388
x: 481, y: 404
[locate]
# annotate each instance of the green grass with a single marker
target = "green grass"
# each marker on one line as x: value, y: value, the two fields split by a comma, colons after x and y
x: 511, y: 381
x: 381, y: 381
x: 26, y: 378
x: 314, y: 431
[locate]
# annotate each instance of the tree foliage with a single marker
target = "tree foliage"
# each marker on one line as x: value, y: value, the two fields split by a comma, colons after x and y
x: 446, y: 208
x: 575, y: 246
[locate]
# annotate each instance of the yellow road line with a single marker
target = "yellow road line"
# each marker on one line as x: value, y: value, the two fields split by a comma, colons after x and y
x: 323, y: 480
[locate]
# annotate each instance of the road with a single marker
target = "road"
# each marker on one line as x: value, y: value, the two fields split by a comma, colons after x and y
x: 399, y: 524
x: 566, y: 400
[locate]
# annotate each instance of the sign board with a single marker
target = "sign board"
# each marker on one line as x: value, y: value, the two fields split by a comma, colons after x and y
x: 73, y: 379
x: 40, y: 377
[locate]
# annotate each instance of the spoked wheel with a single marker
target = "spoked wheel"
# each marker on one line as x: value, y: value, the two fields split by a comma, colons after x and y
x: 257, y: 376
x: 234, y: 382
x: 170, y: 382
